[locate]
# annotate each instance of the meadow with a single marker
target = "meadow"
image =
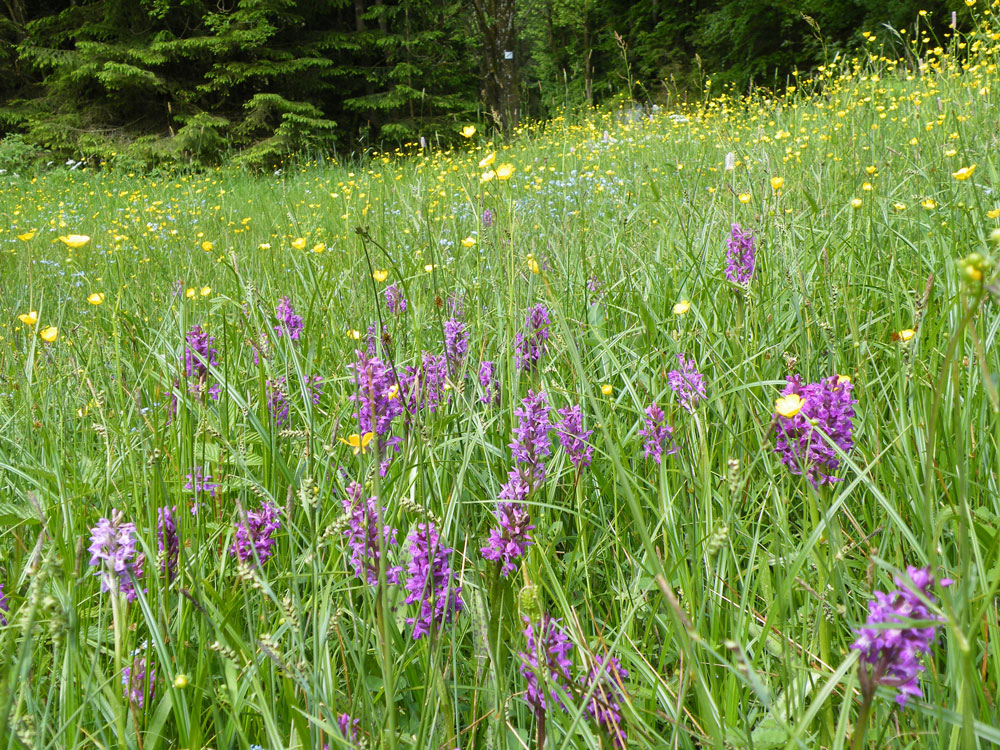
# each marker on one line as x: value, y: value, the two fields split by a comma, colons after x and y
x: 520, y: 444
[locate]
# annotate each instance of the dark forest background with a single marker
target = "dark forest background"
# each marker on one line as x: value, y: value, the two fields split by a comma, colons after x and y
x: 257, y: 80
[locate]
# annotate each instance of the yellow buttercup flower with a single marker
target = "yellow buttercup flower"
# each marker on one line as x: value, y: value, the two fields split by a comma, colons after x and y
x: 27, y: 236
x: 682, y: 307
x: 379, y: 275
x: 299, y: 243
x: 469, y: 241
x: 899, y: 206
x: 906, y: 334
x: 96, y: 298
x: 533, y: 264
x: 393, y: 392
x: 993, y: 214
x: 964, y: 173
x: 74, y: 241
x: 29, y: 318
x: 929, y: 203
x: 358, y: 442
x: 744, y: 197
x: 487, y: 160
x: 487, y: 176
x: 468, y: 131
x: 49, y: 334
x: 790, y: 405
x: 607, y: 389
x: 353, y: 334
x: 777, y: 183
x: 843, y: 379
x: 207, y: 246
x: 205, y: 291
x: 856, y: 202
x: 504, y: 171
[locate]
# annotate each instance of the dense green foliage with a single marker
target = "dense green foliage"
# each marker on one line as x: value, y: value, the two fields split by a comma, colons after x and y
x: 190, y: 80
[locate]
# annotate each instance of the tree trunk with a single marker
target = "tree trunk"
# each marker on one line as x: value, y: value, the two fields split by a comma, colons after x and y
x: 496, y: 22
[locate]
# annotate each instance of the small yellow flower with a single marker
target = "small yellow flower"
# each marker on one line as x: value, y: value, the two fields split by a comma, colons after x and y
x: 181, y: 681
x: 265, y: 246
x: 744, y: 197
x: 49, y: 334
x: 319, y: 247
x: 353, y: 334
x: 487, y: 176
x: 468, y: 131
x: 299, y: 243
x: 607, y: 389
x: 682, y: 307
x: 380, y: 275
x: 190, y: 293
x: 207, y: 246
x: 358, y: 442
x: 929, y: 203
x: 429, y: 267
x: 906, y: 334
x: 29, y: 318
x: 993, y: 214
x: 504, y: 171
x: 74, y: 241
x: 790, y: 405
x: 856, y: 202
x: 469, y: 241
x: 777, y: 183
x: 867, y: 187
x: 843, y: 379
x: 96, y: 298
x: 970, y: 3
x: 964, y: 173
x: 899, y: 206
x: 487, y: 160
x: 205, y: 291
x: 27, y: 236
x: 393, y: 392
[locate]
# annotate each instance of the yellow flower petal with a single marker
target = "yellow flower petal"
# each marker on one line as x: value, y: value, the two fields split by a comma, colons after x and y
x: 682, y: 307
x: 777, y: 183
x: 790, y: 405
x: 964, y: 173
x: 504, y: 171
x: 379, y: 275
x: 96, y: 298
x: 49, y: 334
x: 607, y: 389
x: 29, y: 318
x: 487, y: 176
x: 299, y: 243
x: 468, y: 131
x: 205, y: 291
x: 27, y: 236
x: 906, y: 334
x: 74, y: 240
x: 744, y: 197
x: 487, y: 160
x: 358, y: 442
x: 207, y: 246
x: 469, y: 241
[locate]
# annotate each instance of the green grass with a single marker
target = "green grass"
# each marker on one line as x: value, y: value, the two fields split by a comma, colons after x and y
x: 727, y: 587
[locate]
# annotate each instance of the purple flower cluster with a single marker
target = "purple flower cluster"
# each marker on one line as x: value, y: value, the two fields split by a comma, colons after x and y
x: 606, y: 679
x: 288, y: 321
x: 530, y: 345
x: 487, y: 217
x: 573, y: 437
x: 657, y: 432
x: 167, y: 540
x: 362, y: 536
x: 394, y: 300
x: 430, y: 581
x: 424, y: 385
x: 687, y: 383
x: 489, y: 382
x: 376, y: 396
x: 256, y: 534
x: 827, y: 408
x: 900, y: 627
x: 277, y: 395
x: 456, y: 344
x: 138, y: 681
x: 349, y: 728
x: 511, y: 538
x: 113, y: 548
x: 545, y: 661
x: 199, y: 483
x: 199, y: 357
x: 4, y: 605
x: 741, y: 255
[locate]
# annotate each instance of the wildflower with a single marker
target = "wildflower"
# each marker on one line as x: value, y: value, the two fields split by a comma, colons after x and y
x: 29, y: 318
x: 207, y: 246
x: 299, y: 243
x: 456, y: 344
x: 200, y: 483
x: 545, y: 662
x: 531, y: 345
x: 531, y: 436
x: 4, y: 604
x: 573, y: 437
x: 489, y: 382
x: 741, y: 254
x: 181, y: 681
x: 607, y: 389
x: 362, y: 536
x: 468, y: 131
x: 504, y: 171
x: 277, y: 395
x: 687, y: 383
x: 657, y: 432
x: 27, y: 236
x: 680, y: 308
x: 744, y: 198
x: 199, y: 354
x: 606, y: 678
x: 899, y: 206
x: 113, y: 548
x: 96, y: 298
x: 905, y: 335
x: 288, y: 321
x: 777, y: 183
x: 964, y: 173
x: 394, y: 300
x: 358, y: 442
x: 49, y: 334
x: 74, y: 241
x: 510, y: 539
x: 380, y: 275
x: 856, y: 203
x: 487, y: 176
x: 487, y: 217
x: 826, y: 406
x: 374, y: 399
x: 138, y: 681
x: 899, y: 628
x: 348, y: 727
x: 469, y: 241
x: 167, y: 541
x: 533, y: 264
x: 929, y: 203
x: 430, y: 581
x: 255, y: 534
x: 488, y: 160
